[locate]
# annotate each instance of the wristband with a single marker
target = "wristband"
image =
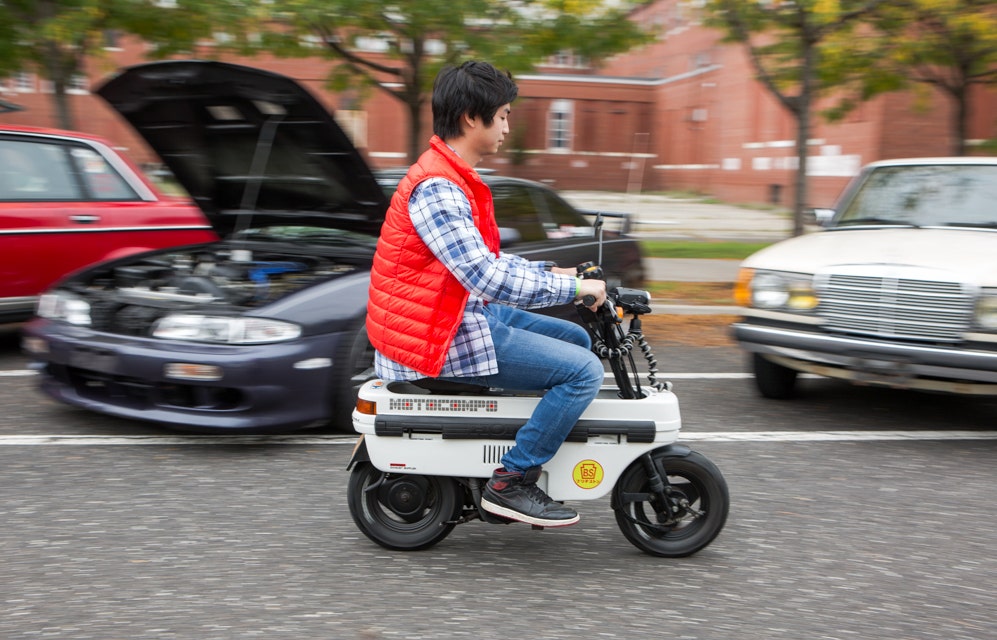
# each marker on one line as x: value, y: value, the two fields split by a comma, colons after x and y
x: 578, y: 286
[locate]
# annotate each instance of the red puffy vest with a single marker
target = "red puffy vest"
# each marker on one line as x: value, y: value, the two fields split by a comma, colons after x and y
x: 415, y: 304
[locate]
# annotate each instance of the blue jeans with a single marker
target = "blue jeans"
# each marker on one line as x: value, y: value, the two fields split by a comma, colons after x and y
x: 537, y: 352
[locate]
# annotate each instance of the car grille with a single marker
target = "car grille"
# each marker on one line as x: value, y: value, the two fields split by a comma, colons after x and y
x: 896, y: 307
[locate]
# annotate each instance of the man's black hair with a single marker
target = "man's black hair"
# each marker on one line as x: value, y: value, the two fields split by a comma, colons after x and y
x: 475, y: 88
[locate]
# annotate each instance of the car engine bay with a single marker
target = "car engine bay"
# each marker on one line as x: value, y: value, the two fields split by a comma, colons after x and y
x: 128, y: 298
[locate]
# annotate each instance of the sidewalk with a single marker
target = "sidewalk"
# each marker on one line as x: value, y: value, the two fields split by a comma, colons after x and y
x: 671, y: 218
x: 691, y: 270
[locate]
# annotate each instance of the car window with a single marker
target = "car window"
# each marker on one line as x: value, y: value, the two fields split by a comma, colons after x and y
x: 515, y: 208
x: 102, y: 181
x: 565, y: 221
x: 35, y: 171
x: 925, y: 195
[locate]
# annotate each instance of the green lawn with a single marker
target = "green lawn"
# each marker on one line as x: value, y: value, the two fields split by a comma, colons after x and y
x: 691, y: 249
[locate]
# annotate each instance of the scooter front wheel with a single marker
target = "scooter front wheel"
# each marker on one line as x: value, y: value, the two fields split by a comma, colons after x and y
x: 403, y: 512
x: 694, y: 508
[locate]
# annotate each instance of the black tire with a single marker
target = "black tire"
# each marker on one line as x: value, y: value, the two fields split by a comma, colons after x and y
x: 773, y: 380
x: 358, y: 354
x: 697, y: 480
x: 403, y: 512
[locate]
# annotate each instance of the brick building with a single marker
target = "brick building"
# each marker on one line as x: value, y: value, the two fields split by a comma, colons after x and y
x: 682, y: 113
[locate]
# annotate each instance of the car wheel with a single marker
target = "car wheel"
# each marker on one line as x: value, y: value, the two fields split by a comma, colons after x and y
x: 773, y: 380
x: 358, y: 355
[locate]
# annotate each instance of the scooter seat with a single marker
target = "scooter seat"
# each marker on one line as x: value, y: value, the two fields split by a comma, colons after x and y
x: 448, y: 386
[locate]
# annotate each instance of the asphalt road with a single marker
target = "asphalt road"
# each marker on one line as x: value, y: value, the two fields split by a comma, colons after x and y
x: 856, y: 513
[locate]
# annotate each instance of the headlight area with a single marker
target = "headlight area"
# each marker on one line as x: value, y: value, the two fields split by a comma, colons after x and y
x: 775, y: 290
x: 986, y: 310
x: 65, y: 307
x: 224, y: 330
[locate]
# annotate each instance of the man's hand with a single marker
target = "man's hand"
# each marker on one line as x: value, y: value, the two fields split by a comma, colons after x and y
x: 594, y: 288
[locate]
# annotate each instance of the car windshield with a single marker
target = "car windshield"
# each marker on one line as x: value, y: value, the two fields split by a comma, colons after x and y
x: 925, y: 196
x: 305, y: 235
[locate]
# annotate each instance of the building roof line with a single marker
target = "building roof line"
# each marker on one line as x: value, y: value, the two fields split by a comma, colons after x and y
x: 643, y: 82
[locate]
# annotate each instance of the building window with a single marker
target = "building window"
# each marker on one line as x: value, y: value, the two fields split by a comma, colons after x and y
x: 112, y: 40
x: 568, y: 59
x: 354, y: 124
x: 559, y: 124
x: 78, y: 84
x: 24, y: 82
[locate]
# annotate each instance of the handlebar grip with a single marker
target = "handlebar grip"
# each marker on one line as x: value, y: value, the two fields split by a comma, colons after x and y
x: 588, y: 300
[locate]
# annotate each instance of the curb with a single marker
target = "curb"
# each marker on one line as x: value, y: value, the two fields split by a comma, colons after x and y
x: 695, y: 310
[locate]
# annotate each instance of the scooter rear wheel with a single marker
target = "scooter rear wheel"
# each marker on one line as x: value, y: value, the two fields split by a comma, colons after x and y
x: 695, y: 483
x: 404, y: 512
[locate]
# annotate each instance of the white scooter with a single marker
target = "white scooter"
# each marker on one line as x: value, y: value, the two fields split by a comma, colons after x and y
x: 427, y: 448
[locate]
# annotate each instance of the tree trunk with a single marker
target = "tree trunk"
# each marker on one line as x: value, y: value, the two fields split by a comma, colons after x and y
x: 415, y: 141
x: 802, y: 113
x: 960, y: 120
x: 59, y: 69
x: 63, y: 109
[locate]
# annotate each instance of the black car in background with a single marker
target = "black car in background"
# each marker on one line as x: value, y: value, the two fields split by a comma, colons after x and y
x: 263, y: 330
x: 537, y: 223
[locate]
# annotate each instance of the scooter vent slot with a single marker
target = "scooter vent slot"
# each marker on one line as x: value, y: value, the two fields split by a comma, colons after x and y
x: 492, y: 454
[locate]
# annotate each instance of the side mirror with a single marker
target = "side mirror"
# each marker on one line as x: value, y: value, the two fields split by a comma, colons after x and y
x: 509, y: 236
x: 823, y: 217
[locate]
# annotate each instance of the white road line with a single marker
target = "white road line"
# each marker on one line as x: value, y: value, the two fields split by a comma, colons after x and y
x: 705, y: 436
x: 19, y: 373
x: 696, y: 376
x: 833, y: 436
x: 86, y: 440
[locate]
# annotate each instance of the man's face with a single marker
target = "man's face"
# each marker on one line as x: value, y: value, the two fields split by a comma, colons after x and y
x: 488, y: 138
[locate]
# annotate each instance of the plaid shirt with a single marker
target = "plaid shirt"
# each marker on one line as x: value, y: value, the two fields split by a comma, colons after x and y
x: 441, y: 214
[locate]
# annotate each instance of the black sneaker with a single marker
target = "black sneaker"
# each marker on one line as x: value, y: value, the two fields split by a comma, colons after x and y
x: 517, y: 497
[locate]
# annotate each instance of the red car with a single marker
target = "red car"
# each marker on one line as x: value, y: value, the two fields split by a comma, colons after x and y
x: 68, y: 200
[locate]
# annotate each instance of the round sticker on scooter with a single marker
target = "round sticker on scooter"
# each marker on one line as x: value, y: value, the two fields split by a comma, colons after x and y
x: 587, y: 474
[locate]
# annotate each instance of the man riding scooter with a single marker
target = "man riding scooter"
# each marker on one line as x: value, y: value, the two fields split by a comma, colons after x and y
x: 446, y: 303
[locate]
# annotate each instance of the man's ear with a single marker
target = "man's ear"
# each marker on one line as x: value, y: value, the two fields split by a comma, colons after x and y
x: 467, y: 122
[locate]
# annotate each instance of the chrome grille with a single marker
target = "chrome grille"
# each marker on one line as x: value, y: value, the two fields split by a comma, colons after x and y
x: 895, y: 307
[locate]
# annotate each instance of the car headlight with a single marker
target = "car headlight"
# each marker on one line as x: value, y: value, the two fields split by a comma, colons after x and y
x: 65, y: 307
x: 986, y: 310
x: 224, y: 330
x: 777, y: 290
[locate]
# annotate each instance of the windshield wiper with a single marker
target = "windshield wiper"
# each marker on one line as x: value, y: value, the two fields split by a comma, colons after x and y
x: 978, y: 225
x: 875, y: 221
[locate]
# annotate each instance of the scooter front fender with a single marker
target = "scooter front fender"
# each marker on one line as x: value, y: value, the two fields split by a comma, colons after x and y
x: 674, y: 449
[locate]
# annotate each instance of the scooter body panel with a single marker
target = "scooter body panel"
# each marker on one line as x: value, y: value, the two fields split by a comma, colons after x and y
x: 611, y: 433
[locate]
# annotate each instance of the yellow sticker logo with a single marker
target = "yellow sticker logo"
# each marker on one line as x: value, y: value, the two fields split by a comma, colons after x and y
x: 587, y: 474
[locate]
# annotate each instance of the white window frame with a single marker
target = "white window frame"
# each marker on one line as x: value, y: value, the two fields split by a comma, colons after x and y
x: 560, y: 126
x: 79, y: 84
x: 354, y: 124
x: 24, y: 82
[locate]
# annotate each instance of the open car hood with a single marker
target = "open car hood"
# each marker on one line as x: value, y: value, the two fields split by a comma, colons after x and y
x: 253, y: 148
